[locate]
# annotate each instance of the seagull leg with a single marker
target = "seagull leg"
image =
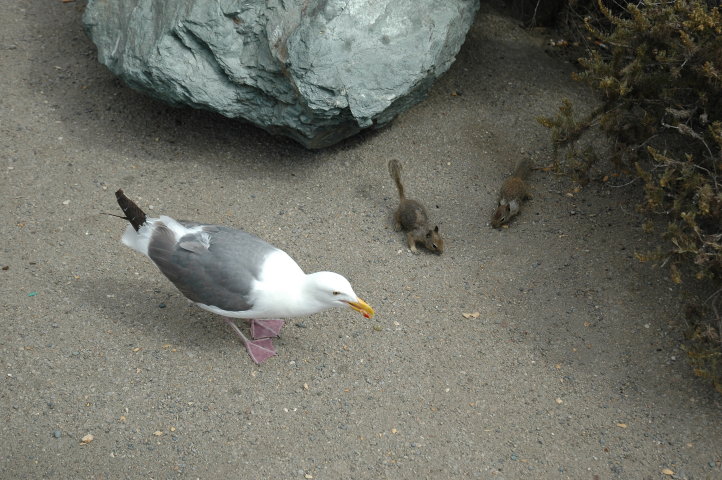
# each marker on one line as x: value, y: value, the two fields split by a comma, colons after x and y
x: 265, y: 328
x: 259, y: 350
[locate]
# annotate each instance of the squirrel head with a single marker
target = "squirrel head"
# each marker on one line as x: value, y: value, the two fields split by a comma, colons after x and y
x: 433, y: 241
x: 501, y: 215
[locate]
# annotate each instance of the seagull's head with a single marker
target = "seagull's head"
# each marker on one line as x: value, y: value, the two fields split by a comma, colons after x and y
x: 334, y: 290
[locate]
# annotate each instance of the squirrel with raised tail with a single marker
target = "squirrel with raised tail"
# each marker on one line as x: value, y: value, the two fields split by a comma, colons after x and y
x: 411, y: 217
x: 513, y: 192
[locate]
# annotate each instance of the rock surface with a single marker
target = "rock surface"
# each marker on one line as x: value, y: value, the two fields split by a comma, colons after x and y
x: 317, y: 71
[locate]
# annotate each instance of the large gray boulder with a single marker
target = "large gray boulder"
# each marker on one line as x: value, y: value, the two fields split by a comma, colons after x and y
x: 317, y: 71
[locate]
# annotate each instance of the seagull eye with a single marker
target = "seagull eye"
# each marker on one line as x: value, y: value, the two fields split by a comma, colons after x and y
x: 337, y: 293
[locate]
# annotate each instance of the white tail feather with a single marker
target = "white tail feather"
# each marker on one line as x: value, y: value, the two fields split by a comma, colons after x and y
x: 139, y: 240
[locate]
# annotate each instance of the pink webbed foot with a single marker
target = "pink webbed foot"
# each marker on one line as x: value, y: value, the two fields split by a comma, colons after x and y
x: 259, y: 350
x: 266, y: 328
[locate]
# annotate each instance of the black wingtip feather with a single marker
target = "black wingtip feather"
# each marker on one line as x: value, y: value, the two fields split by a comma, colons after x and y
x: 132, y: 212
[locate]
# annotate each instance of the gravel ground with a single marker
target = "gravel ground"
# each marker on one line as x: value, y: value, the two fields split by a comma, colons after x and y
x: 569, y: 367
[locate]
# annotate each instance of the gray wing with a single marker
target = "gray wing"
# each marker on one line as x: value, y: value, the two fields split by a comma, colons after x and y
x: 215, y: 267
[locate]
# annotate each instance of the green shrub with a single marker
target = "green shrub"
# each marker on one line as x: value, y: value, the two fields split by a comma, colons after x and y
x: 658, y: 70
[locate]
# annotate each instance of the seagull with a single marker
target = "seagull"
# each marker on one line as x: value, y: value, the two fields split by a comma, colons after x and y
x: 235, y: 274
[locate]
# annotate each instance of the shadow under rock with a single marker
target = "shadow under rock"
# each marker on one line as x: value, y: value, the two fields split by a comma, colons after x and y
x: 100, y: 109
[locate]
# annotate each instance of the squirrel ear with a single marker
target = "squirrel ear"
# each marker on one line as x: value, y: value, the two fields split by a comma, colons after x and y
x: 436, y: 229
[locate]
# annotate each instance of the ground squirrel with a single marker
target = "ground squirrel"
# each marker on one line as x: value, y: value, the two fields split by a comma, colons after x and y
x: 411, y: 217
x: 513, y: 192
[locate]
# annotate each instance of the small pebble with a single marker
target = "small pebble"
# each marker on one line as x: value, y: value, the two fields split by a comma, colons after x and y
x: 161, y: 305
x: 57, y: 434
x: 300, y: 325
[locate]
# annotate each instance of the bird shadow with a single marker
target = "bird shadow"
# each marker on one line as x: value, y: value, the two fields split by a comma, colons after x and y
x: 156, y: 311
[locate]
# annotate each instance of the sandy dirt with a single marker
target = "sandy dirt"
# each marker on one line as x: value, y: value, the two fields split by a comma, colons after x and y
x: 571, y: 370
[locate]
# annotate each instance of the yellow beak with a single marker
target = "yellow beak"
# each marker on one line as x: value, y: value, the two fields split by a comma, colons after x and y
x: 362, y: 307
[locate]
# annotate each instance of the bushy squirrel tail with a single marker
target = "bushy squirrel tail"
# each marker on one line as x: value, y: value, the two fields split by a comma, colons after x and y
x: 523, y: 168
x: 395, y: 171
